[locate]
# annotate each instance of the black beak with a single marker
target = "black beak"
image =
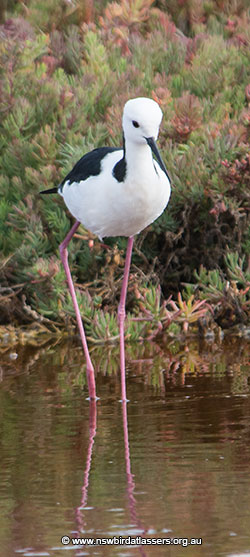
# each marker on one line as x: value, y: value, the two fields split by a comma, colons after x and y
x: 152, y: 144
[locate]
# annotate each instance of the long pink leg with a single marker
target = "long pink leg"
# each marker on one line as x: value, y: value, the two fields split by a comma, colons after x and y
x: 122, y: 315
x: 64, y: 257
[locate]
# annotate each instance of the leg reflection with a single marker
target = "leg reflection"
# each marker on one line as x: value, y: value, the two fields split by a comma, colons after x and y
x: 141, y: 530
x: 92, y: 432
x: 130, y: 480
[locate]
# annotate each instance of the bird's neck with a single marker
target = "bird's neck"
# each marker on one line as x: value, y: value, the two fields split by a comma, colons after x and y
x: 137, y: 156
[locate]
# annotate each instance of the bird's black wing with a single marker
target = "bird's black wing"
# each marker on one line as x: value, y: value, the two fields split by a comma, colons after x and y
x: 88, y: 165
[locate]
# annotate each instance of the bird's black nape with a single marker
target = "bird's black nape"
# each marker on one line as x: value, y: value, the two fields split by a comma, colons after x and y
x: 52, y: 190
x: 119, y: 170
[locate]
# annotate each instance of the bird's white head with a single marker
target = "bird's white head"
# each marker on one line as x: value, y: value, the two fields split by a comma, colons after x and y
x: 141, y: 120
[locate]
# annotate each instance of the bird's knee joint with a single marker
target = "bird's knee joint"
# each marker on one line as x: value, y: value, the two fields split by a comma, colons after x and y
x: 63, y: 251
x: 121, y: 313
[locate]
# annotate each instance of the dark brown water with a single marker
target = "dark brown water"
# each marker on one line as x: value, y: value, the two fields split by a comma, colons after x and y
x: 173, y: 463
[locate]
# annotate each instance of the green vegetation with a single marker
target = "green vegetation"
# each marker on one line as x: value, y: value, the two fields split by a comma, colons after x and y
x: 66, y: 70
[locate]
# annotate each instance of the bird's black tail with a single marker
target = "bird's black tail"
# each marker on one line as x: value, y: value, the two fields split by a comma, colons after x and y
x: 52, y: 190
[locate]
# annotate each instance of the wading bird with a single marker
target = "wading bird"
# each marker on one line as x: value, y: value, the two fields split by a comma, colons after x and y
x: 117, y: 192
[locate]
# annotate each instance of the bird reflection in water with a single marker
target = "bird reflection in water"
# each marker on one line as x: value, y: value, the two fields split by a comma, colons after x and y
x: 129, y: 476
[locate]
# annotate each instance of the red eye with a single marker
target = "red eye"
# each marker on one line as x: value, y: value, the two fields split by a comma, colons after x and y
x: 135, y: 124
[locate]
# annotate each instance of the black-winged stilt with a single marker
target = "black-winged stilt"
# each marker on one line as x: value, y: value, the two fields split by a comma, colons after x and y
x: 117, y: 192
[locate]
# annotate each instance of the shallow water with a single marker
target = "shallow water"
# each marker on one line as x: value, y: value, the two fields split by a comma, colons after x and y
x: 172, y: 463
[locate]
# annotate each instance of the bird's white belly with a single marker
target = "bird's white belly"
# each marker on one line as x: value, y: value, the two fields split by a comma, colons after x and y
x: 108, y: 207
x: 117, y: 208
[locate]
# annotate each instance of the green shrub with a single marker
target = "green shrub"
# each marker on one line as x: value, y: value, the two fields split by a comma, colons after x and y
x: 65, y: 74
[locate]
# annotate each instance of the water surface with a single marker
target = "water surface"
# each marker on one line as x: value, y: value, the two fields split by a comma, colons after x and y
x: 172, y: 463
